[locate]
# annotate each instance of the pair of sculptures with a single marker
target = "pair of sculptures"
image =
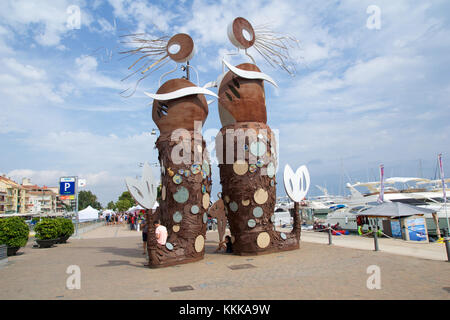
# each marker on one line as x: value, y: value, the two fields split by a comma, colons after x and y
x: 245, y: 147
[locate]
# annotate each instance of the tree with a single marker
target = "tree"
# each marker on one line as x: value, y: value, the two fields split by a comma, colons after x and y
x: 87, y: 198
x: 126, y: 195
x: 111, y: 205
x: 123, y: 205
x: 125, y: 201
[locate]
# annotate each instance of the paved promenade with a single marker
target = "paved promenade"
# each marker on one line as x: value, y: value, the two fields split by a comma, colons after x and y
x: 111, y: 264
x: 433, y: 251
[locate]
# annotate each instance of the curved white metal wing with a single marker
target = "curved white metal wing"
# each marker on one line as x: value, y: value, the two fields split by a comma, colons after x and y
x: 249, y: 74
x: 296, y: 184
x: 144, y: 191
x: 181, y: 93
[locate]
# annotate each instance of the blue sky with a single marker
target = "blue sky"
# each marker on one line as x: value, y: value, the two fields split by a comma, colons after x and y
x: 360, y: 97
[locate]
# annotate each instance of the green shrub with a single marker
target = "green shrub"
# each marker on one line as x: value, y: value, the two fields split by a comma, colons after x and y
x: 47, y: 229
x: 65, y: 227
x: 13, y: 232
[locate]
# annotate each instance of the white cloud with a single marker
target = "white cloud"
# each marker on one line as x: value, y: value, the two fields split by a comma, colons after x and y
x: 87, y: 74
x: 46, y: 20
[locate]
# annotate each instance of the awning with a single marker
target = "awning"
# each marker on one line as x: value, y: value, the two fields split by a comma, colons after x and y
x: 394, y: 210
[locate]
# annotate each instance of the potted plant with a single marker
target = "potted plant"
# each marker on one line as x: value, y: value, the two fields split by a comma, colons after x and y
x: 47, y: 231
x: 66, y: 229
x: 13, y: 233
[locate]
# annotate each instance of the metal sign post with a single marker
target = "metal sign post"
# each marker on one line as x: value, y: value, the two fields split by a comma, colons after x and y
x: 76, y: 205
x: 68, y: 188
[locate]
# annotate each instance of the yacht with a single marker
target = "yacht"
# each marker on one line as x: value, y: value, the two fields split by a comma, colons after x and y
x: 414, y: 192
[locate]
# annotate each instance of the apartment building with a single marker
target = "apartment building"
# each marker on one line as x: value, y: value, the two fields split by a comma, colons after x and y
x: 12, y: 196
x: 28, y: 197
x: 39, y: 199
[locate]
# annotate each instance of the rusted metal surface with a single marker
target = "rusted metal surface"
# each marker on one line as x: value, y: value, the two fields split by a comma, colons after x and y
x: 178, y: 113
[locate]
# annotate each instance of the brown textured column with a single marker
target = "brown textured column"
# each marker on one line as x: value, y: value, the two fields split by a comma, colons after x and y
x: 247, y: 156
x: 185, y: 179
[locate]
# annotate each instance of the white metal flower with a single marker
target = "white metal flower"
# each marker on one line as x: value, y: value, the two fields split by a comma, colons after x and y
x: 144, y: 191
x: 296, y: 184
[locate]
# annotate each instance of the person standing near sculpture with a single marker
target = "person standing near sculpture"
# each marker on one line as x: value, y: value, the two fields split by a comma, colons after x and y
x: 160, y: 232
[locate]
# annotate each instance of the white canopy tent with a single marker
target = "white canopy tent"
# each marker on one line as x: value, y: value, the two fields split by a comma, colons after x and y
x: 134, y: 209
x: 88, y: 214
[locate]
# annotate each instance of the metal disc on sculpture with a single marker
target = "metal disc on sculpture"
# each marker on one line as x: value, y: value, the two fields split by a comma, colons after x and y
x: 261, y: 196
x: 176, y: 228
x: 241, y: 33
x: 177, y: 179
x: 177, y: 216
x: 195, y: 209
x: 270, y: 170
x: 205, y: 167
x: 163, y: 193
x: 169, y: 246
x: 205, y: 217
x: 252, y: 168
x: 185, y: 46
x: 199, y: 243
x: 283, y: 236
x: 233, y: 206
x: 258, y: 148
x: 205, y: 200
x: 187, y: 173
x: 272, y: 183
x: 262, y: 137
x: 245, y: 202
x: 258, y: 212
x: 203, y: 188
x: 240, y: 167
x: 182, y: 195
x: 263, y: 240
x: 260, y: 163
x: 181, y: 172
x: 196, y: 168
x: 251, y: 223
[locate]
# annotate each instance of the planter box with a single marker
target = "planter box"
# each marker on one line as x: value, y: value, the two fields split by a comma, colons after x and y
x: 3, y: 253
x: 46, y: 243
x: 63, y: 239
x: 11, y: 251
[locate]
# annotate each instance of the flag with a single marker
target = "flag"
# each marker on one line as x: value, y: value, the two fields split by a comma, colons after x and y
x: 441, y: 167
x: 81, y: 183
x: 381, y: 195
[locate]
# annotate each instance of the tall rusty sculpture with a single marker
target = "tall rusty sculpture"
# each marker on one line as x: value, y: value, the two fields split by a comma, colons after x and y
x: 246, y: 146
x: 179, y: 110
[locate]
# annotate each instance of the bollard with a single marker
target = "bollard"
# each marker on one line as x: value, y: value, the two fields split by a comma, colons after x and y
x: 329, y: 235
x: 447, y: 243
x: 375, y: 239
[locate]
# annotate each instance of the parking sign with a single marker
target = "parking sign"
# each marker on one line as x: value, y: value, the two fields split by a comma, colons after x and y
x: 67, y: 186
